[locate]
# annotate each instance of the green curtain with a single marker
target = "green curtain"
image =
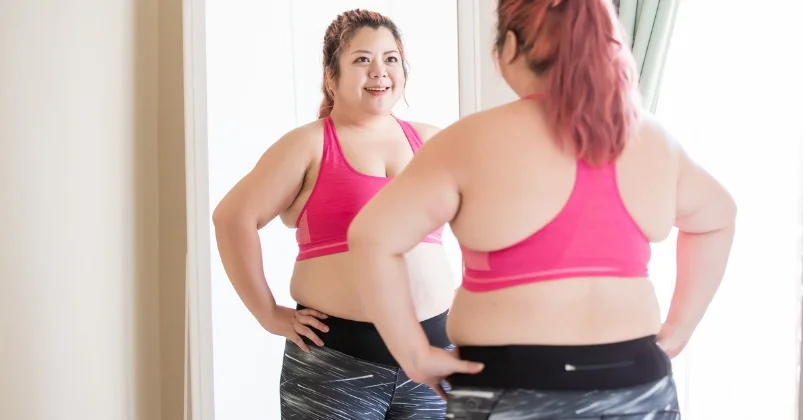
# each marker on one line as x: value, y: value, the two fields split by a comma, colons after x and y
x: 649, y: 25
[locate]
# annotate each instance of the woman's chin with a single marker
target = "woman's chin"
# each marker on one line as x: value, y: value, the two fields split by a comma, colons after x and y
x: 377, y: 109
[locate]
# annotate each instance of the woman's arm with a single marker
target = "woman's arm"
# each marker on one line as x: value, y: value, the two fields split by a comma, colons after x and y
x: 705, y: 218
x: 422, y: 198
x: 269, y: 189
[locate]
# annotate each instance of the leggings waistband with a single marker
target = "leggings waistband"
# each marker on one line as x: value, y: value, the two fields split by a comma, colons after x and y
x: 566, y: 368
x: 362, y: 340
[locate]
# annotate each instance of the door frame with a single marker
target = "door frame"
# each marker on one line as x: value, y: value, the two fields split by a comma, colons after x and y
x: 199, y: 379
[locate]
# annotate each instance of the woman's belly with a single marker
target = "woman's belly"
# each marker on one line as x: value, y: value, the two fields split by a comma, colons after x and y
x: 559, y: 312
x: 327, y: 283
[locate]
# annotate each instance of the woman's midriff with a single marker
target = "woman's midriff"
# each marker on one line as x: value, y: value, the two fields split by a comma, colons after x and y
x: 327, y: 283
x: 579, y: 311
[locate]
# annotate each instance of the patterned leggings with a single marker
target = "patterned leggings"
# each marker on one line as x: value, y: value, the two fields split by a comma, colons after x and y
x: 652, y: 401
x: 328, y: 384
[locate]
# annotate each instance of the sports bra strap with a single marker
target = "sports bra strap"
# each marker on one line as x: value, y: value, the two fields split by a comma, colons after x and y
x: 332, y: 156
x: 412, y: 136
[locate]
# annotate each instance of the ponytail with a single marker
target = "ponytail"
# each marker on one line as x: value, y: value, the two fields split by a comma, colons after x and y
x: 326, y: 104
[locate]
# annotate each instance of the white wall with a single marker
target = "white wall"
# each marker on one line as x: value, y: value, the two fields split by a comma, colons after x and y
x: 481, y: 85
x: 263, y: 79
x: 492, y: 89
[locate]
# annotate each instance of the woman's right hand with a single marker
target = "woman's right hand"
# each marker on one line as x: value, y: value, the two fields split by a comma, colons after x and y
x: 292, y: 324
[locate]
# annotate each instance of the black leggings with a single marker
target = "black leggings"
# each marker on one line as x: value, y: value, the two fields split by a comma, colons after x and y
x: 354, y: 377
x: 620, y: 381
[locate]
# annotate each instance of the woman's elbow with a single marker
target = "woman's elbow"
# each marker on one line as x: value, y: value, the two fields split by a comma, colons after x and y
x: 733, y: 209
x: 230, y: 215
x: 727, y: 209
x: 221, y: 214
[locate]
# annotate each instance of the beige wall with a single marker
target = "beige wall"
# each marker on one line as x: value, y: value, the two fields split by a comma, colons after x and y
x: 92, y: 226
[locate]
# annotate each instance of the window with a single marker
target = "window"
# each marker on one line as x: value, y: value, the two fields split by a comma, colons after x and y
x: 731, y: 94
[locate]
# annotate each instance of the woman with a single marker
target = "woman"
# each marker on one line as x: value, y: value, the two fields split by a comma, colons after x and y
x: 316, y: 178
x: 555, y: 199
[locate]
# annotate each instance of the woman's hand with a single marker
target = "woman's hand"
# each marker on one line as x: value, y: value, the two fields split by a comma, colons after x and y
x: 292, y: 324
x: 433, y: 366
x: 673, y: 339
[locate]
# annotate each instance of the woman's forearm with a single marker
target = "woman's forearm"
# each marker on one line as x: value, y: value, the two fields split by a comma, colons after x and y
x: 386, y: 298
x: 241, y: 253
x: 701, y: 262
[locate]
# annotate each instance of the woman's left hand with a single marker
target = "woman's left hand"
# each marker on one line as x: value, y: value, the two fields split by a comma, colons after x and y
x: 673, y: 339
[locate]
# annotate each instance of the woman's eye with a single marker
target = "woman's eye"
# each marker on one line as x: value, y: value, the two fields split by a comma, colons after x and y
x: 393, y: 59
x: 362, y: 60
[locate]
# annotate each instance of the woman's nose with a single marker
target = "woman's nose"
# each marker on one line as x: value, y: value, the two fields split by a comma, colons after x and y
x: 378, y: 71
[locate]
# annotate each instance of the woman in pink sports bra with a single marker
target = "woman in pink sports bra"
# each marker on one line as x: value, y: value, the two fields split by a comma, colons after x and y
x: 555, y: 199
x: 316, y: 178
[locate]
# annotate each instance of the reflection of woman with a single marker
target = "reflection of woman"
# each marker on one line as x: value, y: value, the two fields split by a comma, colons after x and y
x: 316, y: 178
x: 554, y: 199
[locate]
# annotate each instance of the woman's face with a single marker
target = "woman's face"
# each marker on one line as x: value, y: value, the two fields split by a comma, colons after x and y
x: 371, y: 72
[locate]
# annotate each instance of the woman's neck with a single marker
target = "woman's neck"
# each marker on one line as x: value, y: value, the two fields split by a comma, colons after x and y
x: 360, y: 121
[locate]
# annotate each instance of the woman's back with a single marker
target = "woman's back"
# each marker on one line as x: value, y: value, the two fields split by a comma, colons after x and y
x: 515, y: 181
x: 555, y: 200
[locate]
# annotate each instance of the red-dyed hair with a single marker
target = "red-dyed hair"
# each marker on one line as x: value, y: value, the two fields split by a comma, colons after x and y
x: 337, y: 37
x: 577, y: 45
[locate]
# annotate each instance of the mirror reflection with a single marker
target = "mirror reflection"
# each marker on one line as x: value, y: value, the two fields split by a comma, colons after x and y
x: 320, y: 105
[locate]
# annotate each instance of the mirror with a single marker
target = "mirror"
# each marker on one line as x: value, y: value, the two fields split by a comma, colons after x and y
x: 264, y: 73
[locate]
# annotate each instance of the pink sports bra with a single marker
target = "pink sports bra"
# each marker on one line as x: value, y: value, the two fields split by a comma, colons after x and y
x: 593, y: 235
x: 339, y: 193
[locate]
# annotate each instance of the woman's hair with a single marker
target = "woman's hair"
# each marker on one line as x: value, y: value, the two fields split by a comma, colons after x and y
x: 337, y: 37
x: 577, y: 45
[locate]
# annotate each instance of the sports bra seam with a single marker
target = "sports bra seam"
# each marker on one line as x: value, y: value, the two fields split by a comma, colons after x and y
x: 317, y: 180
x: 553, y: 272
x: 622, y: 206
x: 494, y: 284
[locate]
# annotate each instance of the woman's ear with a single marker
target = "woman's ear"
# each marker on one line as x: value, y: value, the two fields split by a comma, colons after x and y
x: 510, y: 49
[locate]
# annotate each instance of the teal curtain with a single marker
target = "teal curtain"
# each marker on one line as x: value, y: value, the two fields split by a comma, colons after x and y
x: 649, y: 24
